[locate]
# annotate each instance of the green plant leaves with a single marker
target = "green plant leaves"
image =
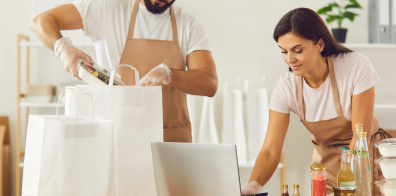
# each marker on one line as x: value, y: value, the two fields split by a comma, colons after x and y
x: 342, y: 12
x: 327, y: 8
x: 331, y: 18
x: 350, y: 15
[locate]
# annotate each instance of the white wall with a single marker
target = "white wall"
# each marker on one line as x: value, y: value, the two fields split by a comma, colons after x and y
x: 240, y: 33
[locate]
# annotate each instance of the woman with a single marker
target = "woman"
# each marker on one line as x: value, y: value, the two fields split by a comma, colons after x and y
x: 330, y: 87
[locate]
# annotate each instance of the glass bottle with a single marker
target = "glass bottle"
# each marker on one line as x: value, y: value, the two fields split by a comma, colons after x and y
x: 285, y: 190
x: 362, y: 169
x: 345, y: 176
x: 318, y: 180
x: 296, y: 191
x: 358, y: 129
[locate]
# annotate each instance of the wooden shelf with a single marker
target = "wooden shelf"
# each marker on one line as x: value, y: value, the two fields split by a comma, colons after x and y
x: 372, y: 45
x: 44, y: 105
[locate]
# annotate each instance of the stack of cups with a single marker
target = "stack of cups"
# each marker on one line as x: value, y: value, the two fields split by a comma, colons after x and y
x: 387, y: 162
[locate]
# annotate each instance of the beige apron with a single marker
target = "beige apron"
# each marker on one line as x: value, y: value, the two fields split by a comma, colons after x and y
x: 144, y: 55
x: 329, y: 136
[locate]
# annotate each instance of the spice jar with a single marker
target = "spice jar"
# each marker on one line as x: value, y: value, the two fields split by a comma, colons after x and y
x: 344, y: 191
x: 318, y: 180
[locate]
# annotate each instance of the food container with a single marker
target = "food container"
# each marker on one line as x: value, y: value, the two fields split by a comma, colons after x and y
x: 388, y: 167
x: 387, y: 187
x: 344, y: 191
x: 318, y: 180
x: 387, y: 147
x: 95, y: 74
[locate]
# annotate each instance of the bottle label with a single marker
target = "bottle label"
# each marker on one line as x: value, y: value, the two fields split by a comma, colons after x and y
x: 350, y: 183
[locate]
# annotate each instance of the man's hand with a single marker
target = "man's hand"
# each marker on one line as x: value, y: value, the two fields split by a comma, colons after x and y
x: 158, y: 75
x: 252, y: 188
x: 70, y: 55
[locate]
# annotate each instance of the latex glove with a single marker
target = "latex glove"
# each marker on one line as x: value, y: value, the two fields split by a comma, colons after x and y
x: 70, y: 55
x: 158, y: 75
x: 252, y: 188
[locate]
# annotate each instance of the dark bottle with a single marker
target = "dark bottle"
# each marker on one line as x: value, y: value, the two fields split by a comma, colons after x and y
x: 285, y: 191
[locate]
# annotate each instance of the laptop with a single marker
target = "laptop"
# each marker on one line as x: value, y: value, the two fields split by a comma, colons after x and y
x: 185, y: 169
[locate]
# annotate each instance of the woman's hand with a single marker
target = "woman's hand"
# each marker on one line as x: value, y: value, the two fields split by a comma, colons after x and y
x: 252, y: 188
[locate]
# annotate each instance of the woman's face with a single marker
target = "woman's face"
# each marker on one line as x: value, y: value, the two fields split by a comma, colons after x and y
x: 300, y: 54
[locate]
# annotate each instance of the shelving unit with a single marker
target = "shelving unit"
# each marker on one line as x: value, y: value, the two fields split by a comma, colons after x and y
x: 24, y: 41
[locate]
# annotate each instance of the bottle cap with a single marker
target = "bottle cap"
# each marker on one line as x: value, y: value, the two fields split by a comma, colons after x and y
x: 345, y: 148
x: 318, y: 167
x: 296, y: 186
x: 359, y: 125
x: 285, y: 186
x: 363, y: 134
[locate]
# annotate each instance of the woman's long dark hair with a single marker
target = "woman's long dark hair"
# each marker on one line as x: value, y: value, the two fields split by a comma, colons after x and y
x: 307, y: 24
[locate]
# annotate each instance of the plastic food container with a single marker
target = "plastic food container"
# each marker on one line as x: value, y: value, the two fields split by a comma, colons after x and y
x: 387, y: 147
x: 344, y: 191
x: 387, y: 187
x: 95, y: 75
x: 388, y: 167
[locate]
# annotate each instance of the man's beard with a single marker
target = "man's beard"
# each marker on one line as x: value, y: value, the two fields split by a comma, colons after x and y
x: 155, y: 8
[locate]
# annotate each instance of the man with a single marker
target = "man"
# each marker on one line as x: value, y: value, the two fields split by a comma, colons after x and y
x: 144, y: 34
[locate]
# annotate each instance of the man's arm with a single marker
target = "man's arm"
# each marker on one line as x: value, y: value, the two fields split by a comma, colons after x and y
x: 201, y: 77
x: 47, y: 25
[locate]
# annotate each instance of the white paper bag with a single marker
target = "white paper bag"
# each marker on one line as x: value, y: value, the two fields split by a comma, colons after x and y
x: 69, y: 156
x: 137, y: 115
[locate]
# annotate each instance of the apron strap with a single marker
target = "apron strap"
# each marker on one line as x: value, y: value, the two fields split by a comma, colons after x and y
x: 300, y: 97
x: 133, y: 21
x: 334, y: 88
x: 174, y: 27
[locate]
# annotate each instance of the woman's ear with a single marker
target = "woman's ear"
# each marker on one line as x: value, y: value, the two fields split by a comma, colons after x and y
x: 321, y: 45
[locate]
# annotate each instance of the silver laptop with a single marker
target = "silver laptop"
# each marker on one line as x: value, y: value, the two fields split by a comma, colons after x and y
x: 183, y: 169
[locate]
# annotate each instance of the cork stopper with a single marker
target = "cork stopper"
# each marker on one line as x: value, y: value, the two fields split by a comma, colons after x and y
x: 363, y: 134
x: 296, y: 186
x: 285, y: 186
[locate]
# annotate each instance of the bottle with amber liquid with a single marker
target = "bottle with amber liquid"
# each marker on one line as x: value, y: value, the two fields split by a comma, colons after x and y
x: 345, y: 176
x: 296, y: 191
x: 285, y: 190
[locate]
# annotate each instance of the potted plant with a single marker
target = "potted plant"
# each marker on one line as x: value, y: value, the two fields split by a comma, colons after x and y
x: 343, y: 13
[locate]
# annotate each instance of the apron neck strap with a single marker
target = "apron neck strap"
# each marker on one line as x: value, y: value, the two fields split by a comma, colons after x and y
x: 133, y: 21
x: 334, y: 89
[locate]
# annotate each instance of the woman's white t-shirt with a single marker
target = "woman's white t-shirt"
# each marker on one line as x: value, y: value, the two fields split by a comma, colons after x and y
x: 354, y: 74
x: 106, y: 22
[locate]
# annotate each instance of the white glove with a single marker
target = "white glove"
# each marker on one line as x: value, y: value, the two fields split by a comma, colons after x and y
x: 252, y: 188
x: 158, y: 75
x: 70, y: 55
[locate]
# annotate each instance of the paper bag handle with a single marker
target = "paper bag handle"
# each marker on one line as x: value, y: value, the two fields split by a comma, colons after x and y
x: 112, y: 75
x: 57, y: 105
x: 75, y: 113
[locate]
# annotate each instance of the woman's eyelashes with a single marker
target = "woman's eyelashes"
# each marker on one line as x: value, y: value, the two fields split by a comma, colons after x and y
x: 298, y: 52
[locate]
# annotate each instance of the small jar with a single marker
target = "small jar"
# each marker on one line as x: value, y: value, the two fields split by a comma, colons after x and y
x: 344, y: 191
x: 318, y: 180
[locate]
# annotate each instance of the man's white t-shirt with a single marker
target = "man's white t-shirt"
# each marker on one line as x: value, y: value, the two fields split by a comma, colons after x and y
x: 106, y: 22
x: 354, y: 74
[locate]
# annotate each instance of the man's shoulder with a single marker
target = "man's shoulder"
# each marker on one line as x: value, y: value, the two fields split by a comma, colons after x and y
x: 184, y: 14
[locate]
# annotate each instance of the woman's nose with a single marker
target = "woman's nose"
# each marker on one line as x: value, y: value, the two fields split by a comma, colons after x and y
x: 290, y: 58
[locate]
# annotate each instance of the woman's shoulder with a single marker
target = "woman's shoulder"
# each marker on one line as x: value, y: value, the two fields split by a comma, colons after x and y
x: 350, y: 58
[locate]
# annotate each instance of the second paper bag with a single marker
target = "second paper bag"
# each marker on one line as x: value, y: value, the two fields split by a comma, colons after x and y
x: 137, y: 115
